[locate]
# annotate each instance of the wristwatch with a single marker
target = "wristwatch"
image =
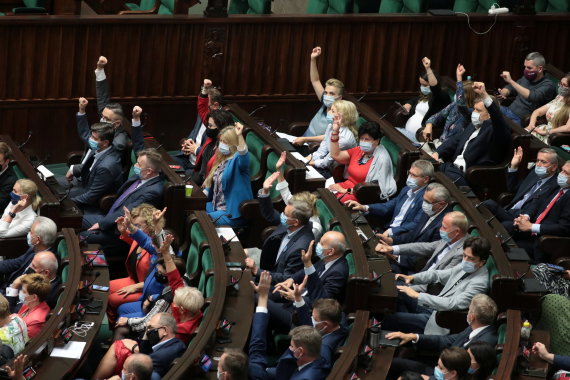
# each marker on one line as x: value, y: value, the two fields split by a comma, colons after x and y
x: 12, y: 214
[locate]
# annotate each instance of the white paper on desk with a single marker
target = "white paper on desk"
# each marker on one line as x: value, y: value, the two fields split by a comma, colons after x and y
x: 299, y: 157
x: 289, y: 138
x: 45, y: 172
x: 227, y: 233
x: 328, y: 182
x: 312, y: 173
x: 72, y: 350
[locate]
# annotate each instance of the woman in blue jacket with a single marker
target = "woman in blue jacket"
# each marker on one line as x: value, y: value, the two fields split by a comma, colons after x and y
x: 228, y: 182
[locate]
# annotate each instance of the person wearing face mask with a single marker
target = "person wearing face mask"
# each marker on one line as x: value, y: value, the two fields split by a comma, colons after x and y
x: 417, y: 310
x: 13, y: 330
x: 551, y: 216
x: 19, y: 215
x: 480, y: 331
x: 137, y: 367
x: 159, y: 342
x: 281, y: 251
x: 7, y: 175
x: 557, y: 113
x: 532, y: 90
x: 431, y: 100
x: 232, y: 365
x: 532, y: 189
x: 482, y: 142
x: 446, y: 252
x: 229, y: 182
x: 402, y: 213
x: 302, y: 361
x: 453, y: 364
x: 145, y: 186
x: 34, y: 308
x: 368, y: 162
x: 483, y: 360
x: 327, y: 95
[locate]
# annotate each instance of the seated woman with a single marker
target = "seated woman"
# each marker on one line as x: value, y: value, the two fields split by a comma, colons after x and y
x: 555, y: 280
x: 453, y: 364
x: 327, y: 95
x: 217, y: 120
x: 229, y: 181
x: 138, y: 261
x: 431, y: 100
x: 21, y: 212
x: 483, y: 360
x: 368, y: 162
x: 557, y: 113
x: 322, y: 159
x: 456, y: 115
x: 13, y: 329
x: 34, y: 311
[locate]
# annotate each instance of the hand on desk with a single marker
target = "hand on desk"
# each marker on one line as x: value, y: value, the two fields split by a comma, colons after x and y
x: 407, y: 279
x: 385, y: 238
x: 408, y: 291
x: 404, y: 338
x: 540, y: 350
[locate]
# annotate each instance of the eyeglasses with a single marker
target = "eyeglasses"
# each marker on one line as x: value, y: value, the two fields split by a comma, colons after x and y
x: 149, y: 328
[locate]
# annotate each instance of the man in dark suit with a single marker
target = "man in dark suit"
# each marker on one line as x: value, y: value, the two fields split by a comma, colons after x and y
x: 232, y: 365
x: 100, y: 173
x: 7, y: 175
x: 401, y: 214
x: 551, y: 217
x: 301, y: 361
x: 481, y: 318
x: 281, y: 251
x: 482, y: 142
x: 146, y: 186
x: 536, y: 185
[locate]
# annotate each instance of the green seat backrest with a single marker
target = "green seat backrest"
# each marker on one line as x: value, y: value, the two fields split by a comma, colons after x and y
x: 562, y: 153
x: 359, y: 122
x: 552, y: 6
x: 325, y: 214
x: 474, y: 232
x: 491, y: 268
x: 65, y: 274
x: 255, y: 147
x: 34, y: 3
x: 166, y: 7
x: 209, y: 291
x: 207, y: 260
x: 502, y: 333
x: 18, y: 172
x: 145, y: 5
x: 337, y: 228
x: 479, y: 6
x: 552, y: 78
x: 351, y: 265
x: 272, y: 159
x: 197, y: 235
x: 393, y: 151
x: 255, y: 7
x: 192, y: 261
x: 62, y: 251
x: 457, y: 207
x: 402, y: 6
x: 329, y: 6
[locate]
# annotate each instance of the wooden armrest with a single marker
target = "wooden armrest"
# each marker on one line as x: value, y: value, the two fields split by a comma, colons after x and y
x: 563, y: 262
x: 106, y: 202
x: 555, y: 246
x: 313, y: 146
x: 267, y: 231
x: 453, y: 320
x: 367, y: 193
x: 74, y: 157
x: 505, y: 198
x: 559, y: 139
x: 297, y: 128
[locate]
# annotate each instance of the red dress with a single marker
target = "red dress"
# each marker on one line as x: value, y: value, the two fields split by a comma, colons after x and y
x: 356, y: 173
x: 35, y: 319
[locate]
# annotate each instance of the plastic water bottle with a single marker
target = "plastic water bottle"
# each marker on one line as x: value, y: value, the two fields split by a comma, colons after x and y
x: 525, y: 332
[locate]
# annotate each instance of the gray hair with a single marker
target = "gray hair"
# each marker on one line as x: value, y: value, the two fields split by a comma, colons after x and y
x: 301, y: 211
x: 459, y: 220
x: 46, y: 229
x: 426, y: 168
x: 553, y: 156
x: 537, y: 58
x: 167, y: 320
x: 440, y: 193
x: 484, y: 308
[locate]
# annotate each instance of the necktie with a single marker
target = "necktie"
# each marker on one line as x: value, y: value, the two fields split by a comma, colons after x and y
x: 525, y: 198
x: 123, y: 196
x: 550, y: 205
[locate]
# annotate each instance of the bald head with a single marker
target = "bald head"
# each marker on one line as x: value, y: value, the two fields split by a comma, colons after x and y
x: 138, y: 367
x: 45, y: 263
x: 334, y: 245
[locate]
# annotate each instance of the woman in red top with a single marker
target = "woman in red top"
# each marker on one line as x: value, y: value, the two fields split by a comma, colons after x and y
x: 368, y: 162
x: 34, y: 311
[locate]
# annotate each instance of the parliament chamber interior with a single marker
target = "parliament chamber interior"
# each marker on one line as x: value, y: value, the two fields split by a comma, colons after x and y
x: 313, y: 189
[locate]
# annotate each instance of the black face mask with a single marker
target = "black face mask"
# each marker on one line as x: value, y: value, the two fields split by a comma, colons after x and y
x: 160, y: 278
x: 153, y: 337
x: 212, y: 132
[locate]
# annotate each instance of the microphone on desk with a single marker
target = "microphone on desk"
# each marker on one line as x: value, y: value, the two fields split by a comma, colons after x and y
x: 226, y: 242
x: 25, y: 142
x: 158, y: 147
x: 219, y: 217
x: 425, y: 142
x: 88, y: 284
x: 365, y: 240
x: 257, y: 109
x: 358, y: 215
x: 90, y: 262
x: 503, y: 241
x: 41, y: 162
x: 379, y: 278
x: 85, y: 291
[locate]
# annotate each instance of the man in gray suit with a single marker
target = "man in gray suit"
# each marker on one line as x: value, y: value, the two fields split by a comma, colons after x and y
x: 416, y: 311
x: 440, y: 254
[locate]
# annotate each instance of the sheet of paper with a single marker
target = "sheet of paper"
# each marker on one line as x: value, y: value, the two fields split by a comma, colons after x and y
x: 312, y: 173
x: 45, y: 172
x: 329, y: 181
x: 289, y: 138
x: 72, y: 350
x: 299, y: 157
x: 227, y: 233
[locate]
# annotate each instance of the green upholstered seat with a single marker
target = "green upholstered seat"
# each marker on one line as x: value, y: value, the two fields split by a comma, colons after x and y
x: 62, y: 251
x: 207, y: 265
x: 329, y: 6
x: 65, y: 274
x: 18, y: 172
x: 250, y: 7
x: 555, y: 317
x: 255, y: 147
x: 166, y: 7
x: 491, y: 268
x: 197, y: 235
x: 351, y: 265
x: 192, y: 261
x: 468, y: 6
x: 366, y: 6
x: 552, y: 5
x: 144, y: 5
x: 402, y: 6
x: 393, y: 151
x: 325, y: 214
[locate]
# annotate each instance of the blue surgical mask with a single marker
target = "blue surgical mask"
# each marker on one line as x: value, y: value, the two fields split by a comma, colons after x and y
x: 328, y: 100
x: 366, y: 146
x: 444, y: 236
x: 475, y: 118
x: 137, y: 171
x: 15, y: 198
x: 471, y: 371
x: 329, y: 118
x: 425, y: 90
x: 468, y: 266
x: 540, y: 171
x: 283, y: 219
x: 412, y: 183
x: 438, y: 373
x: 224, y: 148
x: 562, y: 180
x: 428, y: 208
x: 319, y: 251
x: 93, y: 144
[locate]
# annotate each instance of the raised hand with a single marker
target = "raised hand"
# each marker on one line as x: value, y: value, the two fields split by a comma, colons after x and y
x: 281, y: 161
x: 517, y: 157
x: 506, y: 76
x: 299, y: 289
x: 459, y: 71
x: 83, y: 104
x: 158, y: 214
x: 137, y: 111
x: 165, y: 246
x: 306, y: 255
x: 269, y: 182
x: 101, y: 62
x: 426, y: 62
x: 239, y: 128
x: 207, y: 83
x: 337, y: 122
x: 316, y: 52
x: 479, y: 88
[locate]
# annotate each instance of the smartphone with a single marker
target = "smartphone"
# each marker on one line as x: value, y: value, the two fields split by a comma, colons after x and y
x: 29, y: 373
x: 555, y: 268
x: 205, y: 363
x: 101, y: 288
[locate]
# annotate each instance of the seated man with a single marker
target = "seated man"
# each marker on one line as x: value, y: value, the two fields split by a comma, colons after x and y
x: 301, y: 361
x: 536, y: 185
x: 416, y: 311
x: 281, y: 251
x: 232, y: 365
x: 401, y: 214
x: 100, y: 173
x: 7, y: 175
x: 532, y: 91
x: 482, y: 142
x: 34, y: 308
x: 159, y: 342
x: 440, y: 254
x: 551, y: 217
x: 137, y: 367
x: 146, y: 186
x: 481, y: 319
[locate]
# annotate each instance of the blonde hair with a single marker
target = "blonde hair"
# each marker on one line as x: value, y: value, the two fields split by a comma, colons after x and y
x: 336, y: 83
x: 349, y: 114
x: 189, y: 298
x: 309, y: 198
x: 30, y: 188
x: 145, y: 212
x: 229, y: 135
x: 561, y: 116
x: 4, y: 307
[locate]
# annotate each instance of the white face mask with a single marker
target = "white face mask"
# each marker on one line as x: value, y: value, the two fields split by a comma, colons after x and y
x: 476, y: 118
x: 22, y: 297
x: 428, y: 208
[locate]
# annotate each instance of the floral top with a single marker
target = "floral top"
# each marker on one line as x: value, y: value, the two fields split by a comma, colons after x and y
x: 14, y: 334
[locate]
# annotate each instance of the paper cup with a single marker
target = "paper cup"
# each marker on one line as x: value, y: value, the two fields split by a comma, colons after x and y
x: 189, y: 190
